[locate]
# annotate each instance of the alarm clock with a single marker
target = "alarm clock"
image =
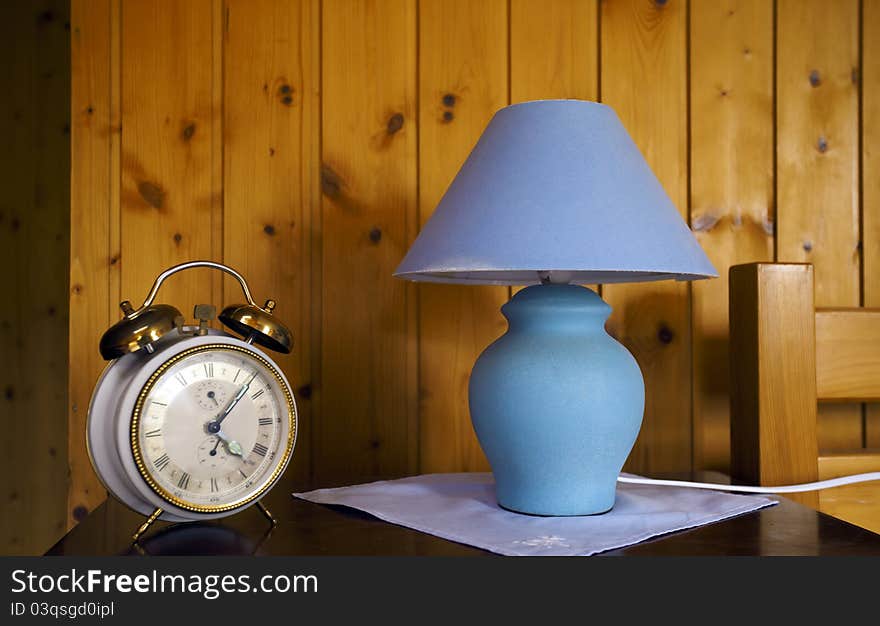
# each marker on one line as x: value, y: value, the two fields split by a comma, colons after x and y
x: 189, y: 423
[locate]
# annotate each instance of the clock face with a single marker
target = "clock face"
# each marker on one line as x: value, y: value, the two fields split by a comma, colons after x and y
x: 213, y: 428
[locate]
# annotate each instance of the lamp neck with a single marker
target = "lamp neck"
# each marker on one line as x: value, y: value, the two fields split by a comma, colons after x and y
x: 555, y: 277
x: 551, y: 306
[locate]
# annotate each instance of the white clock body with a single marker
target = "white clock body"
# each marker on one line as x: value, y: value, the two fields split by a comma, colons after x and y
x: 150, y: 419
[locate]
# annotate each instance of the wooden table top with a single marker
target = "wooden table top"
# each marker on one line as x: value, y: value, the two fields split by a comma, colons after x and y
x: 309, y: 529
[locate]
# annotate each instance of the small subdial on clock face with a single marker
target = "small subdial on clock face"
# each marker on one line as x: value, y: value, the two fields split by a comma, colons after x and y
x: 213, y: 456
x: 211, y: 394
x: 214, y: 427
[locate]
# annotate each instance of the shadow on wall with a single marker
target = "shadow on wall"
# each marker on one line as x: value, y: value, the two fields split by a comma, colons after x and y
x: 653, y: 322
x: 34, y: 255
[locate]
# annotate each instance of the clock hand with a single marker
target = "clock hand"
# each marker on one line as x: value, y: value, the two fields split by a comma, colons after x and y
x: 238, y: 396
x: 233, y: 446
x: 214, y: 426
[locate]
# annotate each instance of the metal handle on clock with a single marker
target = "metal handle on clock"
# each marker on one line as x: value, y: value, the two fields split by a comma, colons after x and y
x: 191, y: 264
x: 254, y: 323
x: 142, y: 327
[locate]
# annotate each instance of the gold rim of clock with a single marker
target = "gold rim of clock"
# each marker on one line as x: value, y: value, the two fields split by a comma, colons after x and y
x: 138, y: 407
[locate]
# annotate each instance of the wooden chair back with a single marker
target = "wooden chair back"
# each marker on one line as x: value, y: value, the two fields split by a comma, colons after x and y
x: 786, y: 356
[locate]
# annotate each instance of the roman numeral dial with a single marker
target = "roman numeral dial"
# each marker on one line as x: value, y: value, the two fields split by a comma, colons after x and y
x: 213, y: 428
x: 183, y: 481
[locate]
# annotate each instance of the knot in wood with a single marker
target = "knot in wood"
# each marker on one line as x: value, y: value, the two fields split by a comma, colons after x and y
x: 395, y: 123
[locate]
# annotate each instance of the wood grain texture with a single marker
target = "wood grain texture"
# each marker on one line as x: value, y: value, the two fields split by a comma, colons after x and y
x: 773, y: 407
x: 858, y: 504
x: 368, y: 386
x: 644, y: 77
x: 553, y: 50
x: 462, y: 82
x: 172, y: 135
x: 93, y: 138
x: 170, y: 197
x: 818, y: 163
x: 848, y: 354
x: 34, y: 232
x: 271, y: 137
x: 732, y: 194
x: 114, y: 271
x: 219, y: 19
x: 870, y: 91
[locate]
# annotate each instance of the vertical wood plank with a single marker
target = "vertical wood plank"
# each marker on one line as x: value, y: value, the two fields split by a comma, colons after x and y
x: 219, y: 17
x: 732, y: 192
x: 271, y: 141
x: 553, y: 50
x: 368, y: 384
x: 644, y: 78
x: 34, y: 232
x: 91, y: 206
x: 871, y: 181
x: 463, y: 81
x: 43, y: 257
x: 115, y: 163
x: 818, y: 164
x: 773, y: 376
x: 170, y: 200
x: 92, y: 133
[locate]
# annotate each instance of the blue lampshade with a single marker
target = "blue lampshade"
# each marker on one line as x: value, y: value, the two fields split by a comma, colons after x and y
x: 555, y: 186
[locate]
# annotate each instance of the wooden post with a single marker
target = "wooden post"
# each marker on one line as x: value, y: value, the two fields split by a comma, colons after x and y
x: 773, y: 376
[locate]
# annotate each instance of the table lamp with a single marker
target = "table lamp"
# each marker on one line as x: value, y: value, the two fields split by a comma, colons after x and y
x: 555, y: 193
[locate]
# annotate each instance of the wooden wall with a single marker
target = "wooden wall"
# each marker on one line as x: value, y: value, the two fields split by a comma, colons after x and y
x: 34, y: 235
x: 306, y: 141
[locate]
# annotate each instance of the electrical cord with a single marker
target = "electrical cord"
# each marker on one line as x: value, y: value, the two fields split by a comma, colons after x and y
x: 822, y: 484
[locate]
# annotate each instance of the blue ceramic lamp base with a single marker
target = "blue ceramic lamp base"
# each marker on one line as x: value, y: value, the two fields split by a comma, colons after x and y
x: 556, y: 403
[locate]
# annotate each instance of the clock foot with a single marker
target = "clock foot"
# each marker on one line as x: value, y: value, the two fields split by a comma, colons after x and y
x: 266, y: 512
x: 140, y: 531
